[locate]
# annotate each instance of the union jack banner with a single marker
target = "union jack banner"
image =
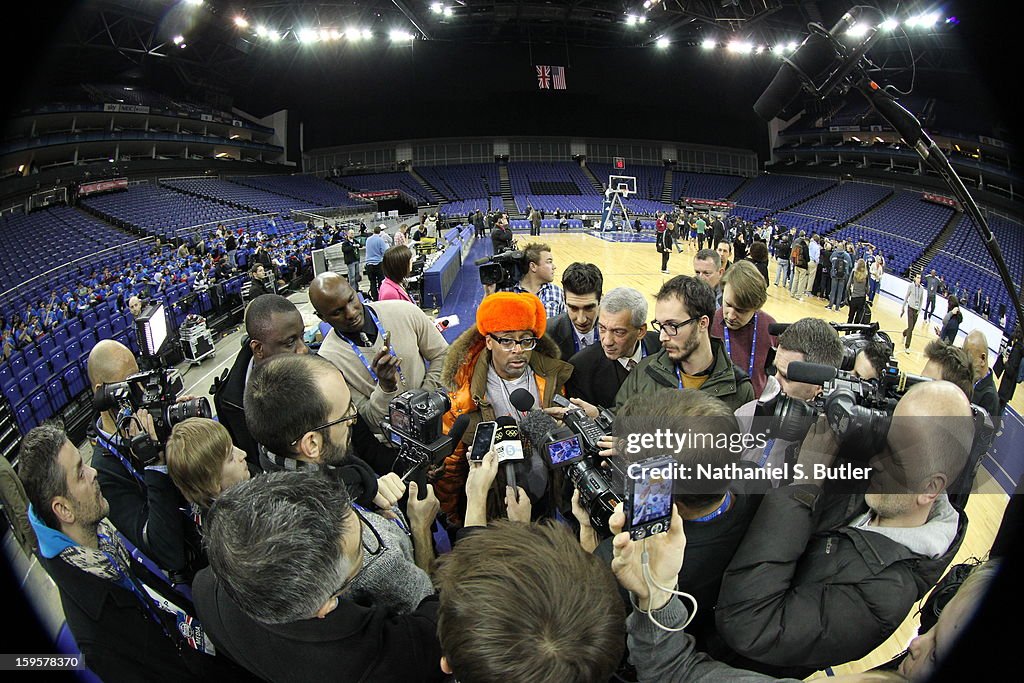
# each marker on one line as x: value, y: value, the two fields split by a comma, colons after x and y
x: 544, y: 77
x: 551, y: 76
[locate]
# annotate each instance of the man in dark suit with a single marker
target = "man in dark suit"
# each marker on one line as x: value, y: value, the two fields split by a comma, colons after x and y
x: 978, y: 302
x: 599, y: 370
x: 574, y: 330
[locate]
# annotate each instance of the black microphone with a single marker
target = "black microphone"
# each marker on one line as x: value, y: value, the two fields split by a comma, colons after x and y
x: 536, y: 427
x: 522, y: 400
x: 508, y: 448
x: 810, y: 373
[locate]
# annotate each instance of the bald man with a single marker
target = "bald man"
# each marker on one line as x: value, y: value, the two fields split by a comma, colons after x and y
x: 135, y: 306
x: 145, y: 506
x: 850, y: 566
x: 376, y: 373
x: 985, y: 393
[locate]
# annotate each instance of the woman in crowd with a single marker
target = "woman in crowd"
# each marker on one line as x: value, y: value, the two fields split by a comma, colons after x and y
x: 664, y: 241
x: 202, y: 462
x: 397, y: 265
x: 402, y: 236
x: 950, y: 323
x: 857, y: 292
x: 759, y: 257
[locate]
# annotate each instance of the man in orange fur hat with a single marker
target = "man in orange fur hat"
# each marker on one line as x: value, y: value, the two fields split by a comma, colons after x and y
x: 507, y: 350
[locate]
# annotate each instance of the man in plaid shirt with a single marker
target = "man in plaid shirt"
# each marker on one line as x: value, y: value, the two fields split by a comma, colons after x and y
x: 539, y: 279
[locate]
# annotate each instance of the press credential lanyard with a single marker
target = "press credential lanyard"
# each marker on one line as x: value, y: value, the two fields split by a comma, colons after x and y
x: 381, y: 332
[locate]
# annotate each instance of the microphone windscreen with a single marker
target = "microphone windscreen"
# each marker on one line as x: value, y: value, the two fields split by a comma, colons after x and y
x: 810, y: 373
x: 536, y: 426
x: 522, y: 399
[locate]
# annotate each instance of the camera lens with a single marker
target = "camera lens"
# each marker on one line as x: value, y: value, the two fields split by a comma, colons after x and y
x: 196, y: 407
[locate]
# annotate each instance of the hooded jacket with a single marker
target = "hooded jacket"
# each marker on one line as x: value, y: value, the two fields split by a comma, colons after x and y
x: 827, y: 591
x: 465, y: 375
x: 726, y: 382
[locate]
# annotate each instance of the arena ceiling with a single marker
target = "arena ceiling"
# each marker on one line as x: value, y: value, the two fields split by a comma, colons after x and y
x: 219, y: 61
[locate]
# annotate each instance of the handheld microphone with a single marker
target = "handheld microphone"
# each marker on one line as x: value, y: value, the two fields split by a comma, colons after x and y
x: 522, y: 400
x: 508, y: 448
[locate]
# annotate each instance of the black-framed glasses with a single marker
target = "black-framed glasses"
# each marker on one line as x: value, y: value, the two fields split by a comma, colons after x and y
x: 350, y: 416
x: 672, y: 329
x: 373, y: 551
x: 509, y: 344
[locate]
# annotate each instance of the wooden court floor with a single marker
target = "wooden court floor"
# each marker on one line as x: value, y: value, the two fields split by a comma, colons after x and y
x: 638, y: 265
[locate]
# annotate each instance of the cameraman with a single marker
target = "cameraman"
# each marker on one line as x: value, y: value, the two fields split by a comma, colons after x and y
x: 144, y: 504
x: 872, y: 360
x: 538, y: 279
x: 822, y: 579
x: 501, y: 234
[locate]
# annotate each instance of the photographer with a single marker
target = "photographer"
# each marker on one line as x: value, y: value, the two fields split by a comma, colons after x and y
x: 945, y: 361
x: 144, y: 504
x: 849, y: 566
x: 501, y: 234
x: 315, y: 587
x: 872, y: 360
x: 538, y: 279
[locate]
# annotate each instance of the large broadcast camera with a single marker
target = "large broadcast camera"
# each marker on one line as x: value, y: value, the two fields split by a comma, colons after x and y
x: 155, y: 391
x: 855, y: 336
x: 415, y: 426
x: 504, y: 269
x: 859, y: 411
x: 574, y: 448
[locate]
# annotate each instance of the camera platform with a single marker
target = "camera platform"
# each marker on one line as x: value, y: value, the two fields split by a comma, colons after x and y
x: 196, y: 340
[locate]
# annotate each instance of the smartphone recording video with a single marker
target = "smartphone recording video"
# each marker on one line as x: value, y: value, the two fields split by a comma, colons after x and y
x: 648, y: 504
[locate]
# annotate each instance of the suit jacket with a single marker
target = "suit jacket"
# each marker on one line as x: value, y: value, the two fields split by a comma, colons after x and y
x: 561, y: 331
x: 596, y: 379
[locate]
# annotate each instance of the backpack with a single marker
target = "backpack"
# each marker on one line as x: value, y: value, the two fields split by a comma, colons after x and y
x: 796, y: 255
x: 839, y: 267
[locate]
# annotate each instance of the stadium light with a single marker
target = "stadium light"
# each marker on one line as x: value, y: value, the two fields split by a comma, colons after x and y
x: 631, y: 19
x: 758, y: 50
x: 708, y: 44
x: 241, y: 22
x: 437, y: 8
x: 791, y: 46
x: 930, y: 19
x: 307, y: 35
x: 857, y: 30
x: 739, y: 47
x: 400, y: 36
x: 890, y: 24
x: 448, y: 11
x: 642, y: 19
x: 194, y: 3
x: 663, y: 42
x: 178, y: 40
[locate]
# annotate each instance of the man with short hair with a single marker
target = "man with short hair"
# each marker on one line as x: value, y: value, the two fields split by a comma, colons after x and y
x: 506, y: 350
x: 313, y: 587
x: 574, y: 329
x: 871, y: 361
x: 550, y: 608
x: 800, y: 256
x: 945, y: 361
x: 783, y: 244
x: 724, y: 249
x: 539, y: 277
x: 824, y: 579
x: 273, y: 325
x: 501, y: 234
x: 842, y: 268
x: 689, y: 358
x: 813, y: 256
x: 135, y: 306
x: 534, y: 218
x: 985, y: 393
x: 600, y: 369
x: 376, y: 371
x: 931, y: 284
x: 376, y: 245
x: 122, y: 632
x: 743, y: 326
x: 707, y: 265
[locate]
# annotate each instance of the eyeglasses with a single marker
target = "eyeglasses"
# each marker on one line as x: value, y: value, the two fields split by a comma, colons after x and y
x: 616, y: 332
x: 672, y: 329
x: 373, y: 551
x: 509, y: 344
x: 350, y: 416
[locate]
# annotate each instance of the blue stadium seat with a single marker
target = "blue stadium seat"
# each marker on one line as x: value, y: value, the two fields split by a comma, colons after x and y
x: 116, y: 324
x: 18, y: 365
x: 41, y: 372
x: 28, y: 384
x: 87, y: 340
x: 103, y: 331
x: 57, y: 394
x: 47, y: 345
x: 103, y: 312
x: 58, y: 361
x: 7, y: 377
x: 24, y: 417
x: 32, y: 354
x: 41, y: 407
x: 74, y: 380
x: 73, y: 351
x: 74, y: 328
x: 89, y: 319
x: 12, y: 392
x: 60, y: 336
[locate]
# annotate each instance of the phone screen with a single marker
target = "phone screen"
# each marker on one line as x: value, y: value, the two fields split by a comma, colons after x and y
x: 483, y: 440
x: 650, y: 501
x: 565, y: 452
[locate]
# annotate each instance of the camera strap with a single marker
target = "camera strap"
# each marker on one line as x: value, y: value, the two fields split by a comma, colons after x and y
x: 381, y: 332
x: 753, y: 345
x: 109, y: 446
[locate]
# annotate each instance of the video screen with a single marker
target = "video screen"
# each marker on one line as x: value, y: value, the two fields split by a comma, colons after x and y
x: 565, y: 451
x: 156, y: 331
x: 399, y: 421
x: 652, y: 499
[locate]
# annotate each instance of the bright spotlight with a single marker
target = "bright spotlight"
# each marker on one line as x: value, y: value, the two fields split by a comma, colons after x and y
x: 890, y: 24
x: 642, y: 19
x: 708, y: 44
x: 240, y: 22
x: 663, y: 42
x: 930, y: 19
x: 448, y: 11
x: 308, y: 35
x: 325, y: 34
x: 194, y: 3
x: 758, y: 50
x: 178, y: 40
x: 857, y: 30
x: 739, y: 47
x: 791, y: 46
x: 399, y: 36
x: 631, y: 20
x: 335, y: 34
x: 437, y: 8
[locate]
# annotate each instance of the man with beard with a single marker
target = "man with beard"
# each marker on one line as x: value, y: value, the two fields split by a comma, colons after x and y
x: 102, y: 586
x: 743, y: 326
x: 689, y: 358
x: 304, y: 584
x: 850, y: 566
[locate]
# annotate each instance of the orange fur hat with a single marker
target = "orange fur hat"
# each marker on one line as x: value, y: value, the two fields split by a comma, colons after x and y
x: 508, y: 311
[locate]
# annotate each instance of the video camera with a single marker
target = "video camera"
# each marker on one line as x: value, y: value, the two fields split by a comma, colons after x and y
x: 574, y: 447
x: 415, y: 425
x: 855, y: 336
x: 859, y: 411
x: 155, y: 391
x: 503, y: 269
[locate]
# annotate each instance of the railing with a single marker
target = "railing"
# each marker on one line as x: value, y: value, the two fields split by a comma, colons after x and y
x: 227, y: 221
